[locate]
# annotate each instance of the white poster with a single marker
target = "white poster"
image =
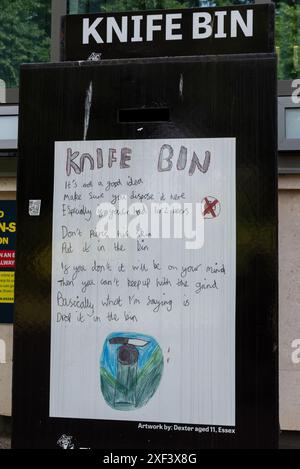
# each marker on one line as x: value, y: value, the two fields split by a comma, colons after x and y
x: 144, y: 280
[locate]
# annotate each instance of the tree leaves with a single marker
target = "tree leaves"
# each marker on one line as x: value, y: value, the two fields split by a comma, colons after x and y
x: 24, y: 36
x: 288, y: 39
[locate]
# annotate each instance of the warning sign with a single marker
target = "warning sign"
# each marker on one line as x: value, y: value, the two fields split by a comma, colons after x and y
x: 8, y: 230
x: 7, y: 287
x: 7, y: 259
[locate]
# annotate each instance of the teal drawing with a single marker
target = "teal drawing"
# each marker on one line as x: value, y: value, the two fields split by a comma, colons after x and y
x: 131, y: 368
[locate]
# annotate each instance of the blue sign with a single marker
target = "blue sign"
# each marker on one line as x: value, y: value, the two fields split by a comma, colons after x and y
x: 7, y: 259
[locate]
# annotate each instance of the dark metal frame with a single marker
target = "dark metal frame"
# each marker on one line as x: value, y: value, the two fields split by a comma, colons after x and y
x: 197, y: 115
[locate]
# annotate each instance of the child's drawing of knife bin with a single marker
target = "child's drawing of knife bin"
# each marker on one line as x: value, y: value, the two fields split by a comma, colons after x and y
x: 127, y: 365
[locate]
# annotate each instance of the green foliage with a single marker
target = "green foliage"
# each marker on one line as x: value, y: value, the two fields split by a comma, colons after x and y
x: 143, y: 5
x: 24, y: 36
x: 86, y: 6
x: 288, y: 39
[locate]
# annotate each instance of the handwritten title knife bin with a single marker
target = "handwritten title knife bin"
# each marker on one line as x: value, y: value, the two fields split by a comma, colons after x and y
x: 188, y: 97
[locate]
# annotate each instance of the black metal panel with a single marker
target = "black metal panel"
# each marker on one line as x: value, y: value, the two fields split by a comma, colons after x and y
x: 218, y: 42
x: 232, y: 96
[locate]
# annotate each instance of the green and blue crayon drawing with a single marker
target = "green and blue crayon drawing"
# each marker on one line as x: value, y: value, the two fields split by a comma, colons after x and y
x: 131, y: 368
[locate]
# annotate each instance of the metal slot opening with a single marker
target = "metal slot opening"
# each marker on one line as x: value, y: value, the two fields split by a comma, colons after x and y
x: 127, y: 116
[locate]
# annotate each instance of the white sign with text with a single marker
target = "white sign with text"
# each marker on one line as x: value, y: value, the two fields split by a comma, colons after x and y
x: 144, y: 281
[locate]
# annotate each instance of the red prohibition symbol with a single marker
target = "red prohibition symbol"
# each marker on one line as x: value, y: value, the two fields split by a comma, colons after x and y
x: 211, y: 207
